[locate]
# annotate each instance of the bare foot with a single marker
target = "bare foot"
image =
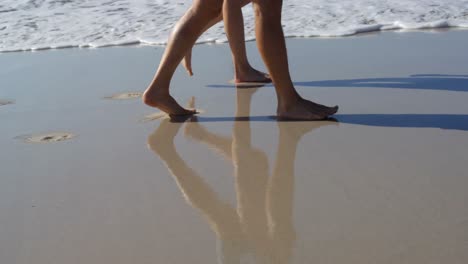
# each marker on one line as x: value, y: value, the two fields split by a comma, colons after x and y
x: 306, y: 110
x: 161, y: 141
x: 325, y: 109
x: 166, y: 103
x: 187, y: 62
x: 251, y: 75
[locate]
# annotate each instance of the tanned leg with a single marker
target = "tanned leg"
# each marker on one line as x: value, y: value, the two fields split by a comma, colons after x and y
x: 244, y: 72
x: 234, y: 27
x: 272, y: 47
x: 184, y: 35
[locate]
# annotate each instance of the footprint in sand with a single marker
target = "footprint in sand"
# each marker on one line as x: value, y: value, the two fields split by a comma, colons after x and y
x: 5, y: 102
x: 125, y: 96
x: 46, y: 137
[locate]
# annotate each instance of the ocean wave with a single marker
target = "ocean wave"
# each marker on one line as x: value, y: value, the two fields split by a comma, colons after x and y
x: 27, y: 25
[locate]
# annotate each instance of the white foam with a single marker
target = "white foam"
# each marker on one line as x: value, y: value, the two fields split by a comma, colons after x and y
x: 27, y: 25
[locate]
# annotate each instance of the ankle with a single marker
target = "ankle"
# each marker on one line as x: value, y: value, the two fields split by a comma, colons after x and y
x: 286, y: 102
x: 157, y: 87
x: 242, y: 69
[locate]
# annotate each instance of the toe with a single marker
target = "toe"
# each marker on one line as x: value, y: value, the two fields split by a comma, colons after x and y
x: 329, y: 110
x: 183, y: 112
x: 332, y: 110
x: 317, y: 117
x: 323, y: 113
x: 190, y: 111
x: 335, y: 109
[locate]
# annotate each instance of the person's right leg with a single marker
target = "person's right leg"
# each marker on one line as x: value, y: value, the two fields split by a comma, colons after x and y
x: 184, y: 35
x: 272, y: 47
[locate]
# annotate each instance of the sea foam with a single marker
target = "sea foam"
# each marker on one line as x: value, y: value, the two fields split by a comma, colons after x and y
x: 28, y: 25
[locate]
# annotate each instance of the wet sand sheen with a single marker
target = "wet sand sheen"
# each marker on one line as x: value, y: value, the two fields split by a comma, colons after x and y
x: 262, y: 226
x: 385, y: 183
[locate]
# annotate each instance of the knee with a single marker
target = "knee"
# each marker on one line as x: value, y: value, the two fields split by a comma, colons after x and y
x: 233, y: 3
x: 211, y: 10
x: 267, y: 9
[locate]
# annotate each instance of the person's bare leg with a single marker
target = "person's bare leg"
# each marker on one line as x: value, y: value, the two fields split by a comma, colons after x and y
x: 187, y: 60
x: 184, y: 35
x: 244, y: 72
x: 234, y: 28
x: 272, y: 47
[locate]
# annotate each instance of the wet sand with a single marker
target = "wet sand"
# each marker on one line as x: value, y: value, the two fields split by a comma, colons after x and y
x: 385, y: 183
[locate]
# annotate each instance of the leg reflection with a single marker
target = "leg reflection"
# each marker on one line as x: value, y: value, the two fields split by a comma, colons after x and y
x: 251, y: 173
x: 220, y: 215
x: 280, y: 194
x: 262, y: 226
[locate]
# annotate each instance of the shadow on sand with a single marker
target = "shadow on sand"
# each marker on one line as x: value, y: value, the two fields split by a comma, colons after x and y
x: 442, y: 121
x: 441, y: 82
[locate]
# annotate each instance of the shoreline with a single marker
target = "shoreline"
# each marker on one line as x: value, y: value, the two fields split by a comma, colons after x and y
x: 369, y: 30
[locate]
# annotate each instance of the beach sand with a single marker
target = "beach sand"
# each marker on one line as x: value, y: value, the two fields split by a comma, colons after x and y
x: 114, y: 181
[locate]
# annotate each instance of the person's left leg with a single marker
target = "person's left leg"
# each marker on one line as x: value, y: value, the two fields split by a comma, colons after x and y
x: 243, y: 71
x: 185, y: 33
x: 234, y: 28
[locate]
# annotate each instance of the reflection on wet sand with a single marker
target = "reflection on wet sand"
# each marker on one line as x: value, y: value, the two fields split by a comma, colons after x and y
x: 262, y: 225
